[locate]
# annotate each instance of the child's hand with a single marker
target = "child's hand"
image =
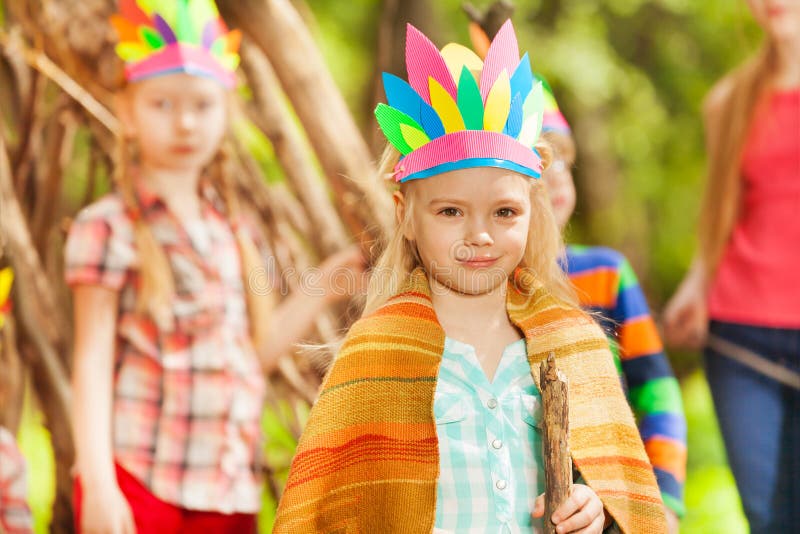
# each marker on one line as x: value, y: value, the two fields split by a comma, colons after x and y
x: 686, y: 314
x: 106, y: 512
x: 343, y: 274
x: 582, y: 512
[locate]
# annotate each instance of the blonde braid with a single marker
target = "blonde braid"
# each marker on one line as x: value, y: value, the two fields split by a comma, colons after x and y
x: 157, y: 284
x: 259, y: 302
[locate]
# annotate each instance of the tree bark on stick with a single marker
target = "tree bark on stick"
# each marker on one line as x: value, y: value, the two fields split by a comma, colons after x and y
x: 329, y: 233
x: 283, y: 37
x: 555, y: 422
x: 493, y: 18
x: 43, y: 334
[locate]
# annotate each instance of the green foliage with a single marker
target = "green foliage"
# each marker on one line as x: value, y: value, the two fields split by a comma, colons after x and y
x: 34, y: 442
x: 279, y: 450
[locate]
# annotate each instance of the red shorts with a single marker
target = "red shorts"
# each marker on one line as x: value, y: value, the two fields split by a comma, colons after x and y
x: 154, y: 516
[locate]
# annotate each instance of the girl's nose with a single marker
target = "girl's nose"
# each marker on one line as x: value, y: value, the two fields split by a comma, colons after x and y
x: 479, y: 237
x: 186, y: 120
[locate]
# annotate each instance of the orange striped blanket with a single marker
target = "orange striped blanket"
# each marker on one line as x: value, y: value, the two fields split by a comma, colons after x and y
x: 368, y: 459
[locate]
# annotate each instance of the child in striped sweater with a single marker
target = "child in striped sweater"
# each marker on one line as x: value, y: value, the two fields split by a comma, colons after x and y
x: 607, y: 285
x: 430, y: 418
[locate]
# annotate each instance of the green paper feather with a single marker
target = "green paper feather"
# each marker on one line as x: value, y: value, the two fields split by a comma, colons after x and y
x: 152, y: 38
x: 531, y: 127
x: 218, y: 47
x: 202, y: 13
x: 413, y: 137
x: 184, y: 29
x: 390, y: 119
x: 470, y: 102
x: 533, y: 108
x: 534, y: 103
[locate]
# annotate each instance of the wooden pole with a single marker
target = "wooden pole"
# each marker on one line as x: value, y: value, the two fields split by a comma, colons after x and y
x: 493, y: 18
x: 43, y: 334
x: 296, y: 160
x: 276, y: 27
x: 555, y: 421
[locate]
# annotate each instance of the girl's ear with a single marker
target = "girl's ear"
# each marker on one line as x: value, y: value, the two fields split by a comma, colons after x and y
x: 400, y: 214
x: 123, y: 105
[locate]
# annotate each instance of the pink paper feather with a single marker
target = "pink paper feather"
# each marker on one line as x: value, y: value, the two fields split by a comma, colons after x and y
x: 423, y: 61
x: 503, y: 54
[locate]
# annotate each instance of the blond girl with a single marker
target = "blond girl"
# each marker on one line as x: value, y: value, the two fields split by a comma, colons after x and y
x: 430, y: 419
x: 172, y: 339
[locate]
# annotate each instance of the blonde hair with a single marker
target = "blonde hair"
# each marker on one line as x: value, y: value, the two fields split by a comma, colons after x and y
x: 156, y: 278
x: 544, y: 247
x: 728, y: 113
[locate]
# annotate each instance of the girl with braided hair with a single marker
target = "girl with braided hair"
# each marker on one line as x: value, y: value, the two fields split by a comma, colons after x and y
x: 172, y: 336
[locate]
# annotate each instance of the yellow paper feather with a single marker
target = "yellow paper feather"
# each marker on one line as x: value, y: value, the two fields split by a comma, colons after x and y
x: 446, y: 107
x: 414, y: 137
x: 498, y: 104
x: 457, y: 56
x: 130, y: 51
x: 6, y: 278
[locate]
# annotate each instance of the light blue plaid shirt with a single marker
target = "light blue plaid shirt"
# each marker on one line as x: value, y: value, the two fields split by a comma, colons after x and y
x: 490, y: 449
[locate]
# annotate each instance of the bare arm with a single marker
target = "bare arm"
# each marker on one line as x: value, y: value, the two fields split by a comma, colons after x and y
x: 338, y: 278
x: 104, y: 509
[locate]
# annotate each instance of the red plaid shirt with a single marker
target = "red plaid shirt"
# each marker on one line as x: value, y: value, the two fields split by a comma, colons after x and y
x: 15, y: 515
x: 187, y: 403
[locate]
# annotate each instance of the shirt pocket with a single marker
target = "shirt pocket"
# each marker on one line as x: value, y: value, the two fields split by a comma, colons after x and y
x: 531, y: 410
x: 449, y: 408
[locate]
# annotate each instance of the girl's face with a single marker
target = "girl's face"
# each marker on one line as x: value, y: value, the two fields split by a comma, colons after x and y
x: 780, y: 19
x: 470, y: 226
x: 177, y: 120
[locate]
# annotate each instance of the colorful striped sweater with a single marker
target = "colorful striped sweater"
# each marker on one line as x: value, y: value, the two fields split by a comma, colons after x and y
x: 607, y: 286
x: 368, y: 459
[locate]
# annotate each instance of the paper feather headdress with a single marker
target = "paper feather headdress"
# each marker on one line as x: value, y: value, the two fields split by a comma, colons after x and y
x: 457, y: 111
x: 169, y: 36
x: 554, y: 120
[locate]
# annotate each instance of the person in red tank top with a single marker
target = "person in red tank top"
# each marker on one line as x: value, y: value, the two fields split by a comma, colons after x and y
x: 740, y: 299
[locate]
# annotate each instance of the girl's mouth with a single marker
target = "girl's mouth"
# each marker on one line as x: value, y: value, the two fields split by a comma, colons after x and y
x: 479, y: 262
x: 183, y: 149
x: 775, y: 11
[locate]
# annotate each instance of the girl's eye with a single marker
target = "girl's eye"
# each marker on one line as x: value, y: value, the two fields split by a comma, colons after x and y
x: 450, y: 212
x: 203, y: 105
x: 506, y: 212
x: 162, y: 104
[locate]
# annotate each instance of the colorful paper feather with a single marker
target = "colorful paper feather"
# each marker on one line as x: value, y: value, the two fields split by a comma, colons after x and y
x: 6, y: 279
x: 553, y: 120
x: 167, y: 36
x: 452, y: 91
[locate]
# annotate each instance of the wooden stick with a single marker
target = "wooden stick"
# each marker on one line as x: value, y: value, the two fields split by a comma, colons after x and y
x: 45, y: 65
x: 276, y: 27
x: 493, y: 18
x: 555, y: 422
x: 297, y: 161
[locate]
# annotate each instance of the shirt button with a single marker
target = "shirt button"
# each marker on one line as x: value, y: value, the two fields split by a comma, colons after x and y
x: 501, y: 484
x: 497, y: 444
x: 492, y: 403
